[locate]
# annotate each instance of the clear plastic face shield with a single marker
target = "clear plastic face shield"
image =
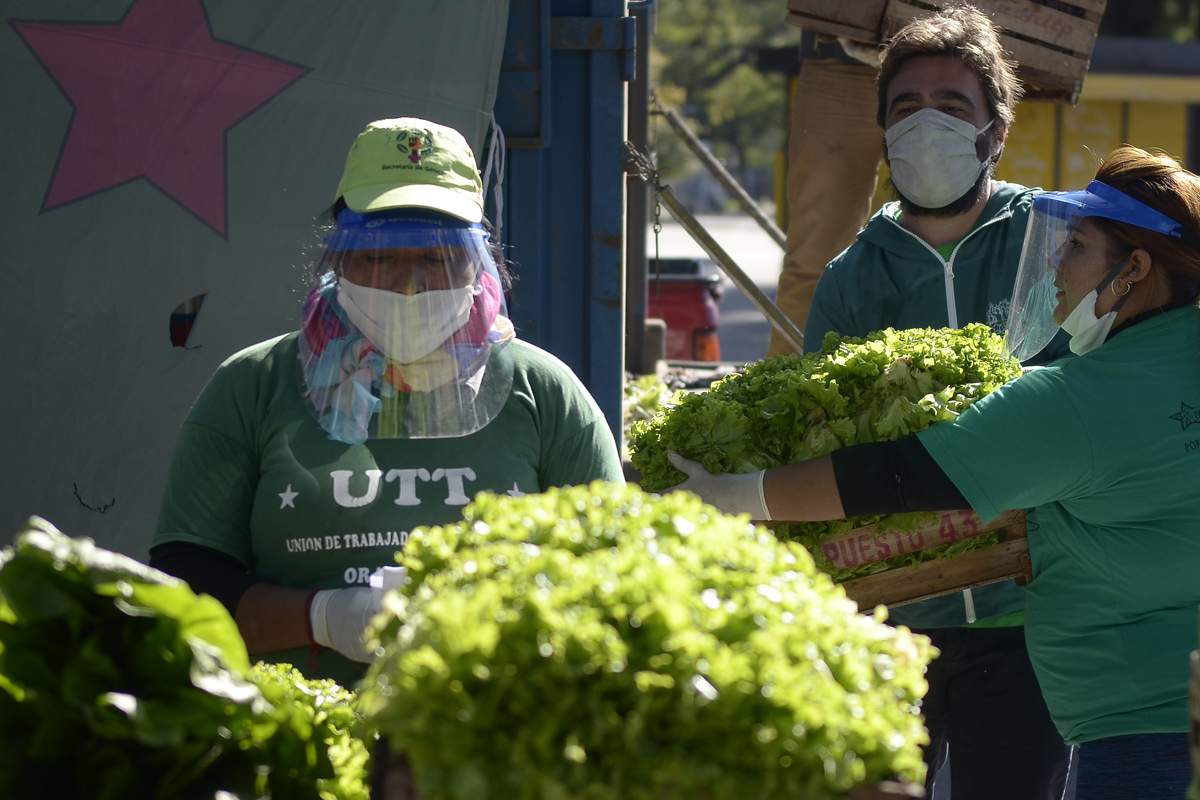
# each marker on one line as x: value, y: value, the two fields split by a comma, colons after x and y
x: 404, y: 335
x: 1052, y: 224
x: 1031, y: 324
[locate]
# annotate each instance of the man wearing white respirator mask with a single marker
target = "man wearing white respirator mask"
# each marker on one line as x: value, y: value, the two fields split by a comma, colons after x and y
x: 308, y: 458
x: 945, y: 253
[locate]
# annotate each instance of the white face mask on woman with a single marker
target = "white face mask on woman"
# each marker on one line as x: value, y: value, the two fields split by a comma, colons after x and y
x: 1087, y: 330
x: 932, y: 157
x: 406, y: 327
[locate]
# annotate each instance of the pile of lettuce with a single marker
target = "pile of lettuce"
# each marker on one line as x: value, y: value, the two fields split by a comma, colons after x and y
x: 642, y: 397
x: 116, y: 682
x: 790, y: 408
x: 598, y: 642
x: 645, y: 394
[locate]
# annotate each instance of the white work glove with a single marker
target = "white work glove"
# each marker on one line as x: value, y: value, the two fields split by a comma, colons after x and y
x: 733, y: 494
x: 339, y: 618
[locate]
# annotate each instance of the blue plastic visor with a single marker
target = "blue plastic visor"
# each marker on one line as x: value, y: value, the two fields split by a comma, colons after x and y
x: 1101, y: 200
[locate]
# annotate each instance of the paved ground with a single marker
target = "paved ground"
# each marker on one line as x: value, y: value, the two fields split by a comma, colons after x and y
x: 744, y: 332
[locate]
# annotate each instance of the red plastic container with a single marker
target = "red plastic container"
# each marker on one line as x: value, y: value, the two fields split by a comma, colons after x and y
x: 684, y: 292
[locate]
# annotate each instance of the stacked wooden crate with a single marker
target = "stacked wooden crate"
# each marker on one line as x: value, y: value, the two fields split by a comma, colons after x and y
x: 1051, y: 40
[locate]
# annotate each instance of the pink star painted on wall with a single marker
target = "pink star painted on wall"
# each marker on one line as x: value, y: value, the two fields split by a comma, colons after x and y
x: 154, y: 96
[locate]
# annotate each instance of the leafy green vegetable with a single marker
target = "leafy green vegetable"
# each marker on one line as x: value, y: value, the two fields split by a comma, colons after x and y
x: 791, y: 408
x: 643, y: 394
x: 116, y: 681
x: 598, y: 642
x: 325, y: 745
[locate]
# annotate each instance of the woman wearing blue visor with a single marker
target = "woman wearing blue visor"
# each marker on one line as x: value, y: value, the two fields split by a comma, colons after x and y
x: 1056, y: 265
x: 1103, y: 450
x: 308, y: 458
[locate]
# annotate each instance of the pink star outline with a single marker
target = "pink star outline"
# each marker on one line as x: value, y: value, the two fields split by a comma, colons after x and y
x: 153, y: 97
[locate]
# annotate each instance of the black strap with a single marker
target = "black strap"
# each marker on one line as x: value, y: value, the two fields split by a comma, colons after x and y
x: 1111, y: 277
x: 1186, y: 237
x: 892, y: 477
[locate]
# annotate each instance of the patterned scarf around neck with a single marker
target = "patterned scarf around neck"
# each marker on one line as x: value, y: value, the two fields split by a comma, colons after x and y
x: 348, y: 381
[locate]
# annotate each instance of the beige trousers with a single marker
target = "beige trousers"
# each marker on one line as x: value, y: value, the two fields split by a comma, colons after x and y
x: 835, y: 148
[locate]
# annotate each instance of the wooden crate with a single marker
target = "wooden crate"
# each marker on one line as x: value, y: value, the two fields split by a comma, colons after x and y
x: 1051, y: 40
x: 1007, y: 560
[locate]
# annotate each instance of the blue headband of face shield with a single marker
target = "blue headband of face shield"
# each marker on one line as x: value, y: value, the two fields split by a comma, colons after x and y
x: 1101, y: 200
x: 386, y: 230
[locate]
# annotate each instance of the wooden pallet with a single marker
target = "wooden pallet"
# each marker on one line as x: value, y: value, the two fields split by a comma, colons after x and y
x: 1007, y: 560
x: 1051, y: 40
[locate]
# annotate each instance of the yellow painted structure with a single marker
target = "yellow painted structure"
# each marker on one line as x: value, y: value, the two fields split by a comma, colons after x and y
x: 1059, y: 147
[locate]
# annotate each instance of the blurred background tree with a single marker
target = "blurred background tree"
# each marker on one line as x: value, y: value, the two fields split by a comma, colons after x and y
x: 704, y: 64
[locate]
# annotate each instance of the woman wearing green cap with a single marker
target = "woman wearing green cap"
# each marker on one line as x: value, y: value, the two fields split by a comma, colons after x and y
x: 308, y: 458
x: 1103, y: 450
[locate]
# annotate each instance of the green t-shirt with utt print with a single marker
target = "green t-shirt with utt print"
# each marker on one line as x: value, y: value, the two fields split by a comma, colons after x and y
x: 256, y: 478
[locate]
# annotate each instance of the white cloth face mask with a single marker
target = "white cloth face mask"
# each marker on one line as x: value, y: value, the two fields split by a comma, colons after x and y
x: 406, y: 327
x: 1087, y: 330
x: 932, y: 157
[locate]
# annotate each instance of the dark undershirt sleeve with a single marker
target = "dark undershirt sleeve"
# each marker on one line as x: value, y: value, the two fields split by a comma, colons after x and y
x: 206, y: 570
x: 892, y: 477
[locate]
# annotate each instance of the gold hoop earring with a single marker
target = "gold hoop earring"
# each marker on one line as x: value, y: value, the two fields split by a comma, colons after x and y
x: 1112, y: 287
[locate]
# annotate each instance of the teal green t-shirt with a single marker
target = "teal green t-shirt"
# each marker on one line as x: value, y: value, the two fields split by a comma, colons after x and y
x: 256, y: 478
x: 1104, y: 451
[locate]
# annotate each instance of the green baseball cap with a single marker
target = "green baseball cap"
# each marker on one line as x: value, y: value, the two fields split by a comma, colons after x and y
x: 409, y: 162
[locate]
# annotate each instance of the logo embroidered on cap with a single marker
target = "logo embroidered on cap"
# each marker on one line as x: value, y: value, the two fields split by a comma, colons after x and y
x: 415, y: 144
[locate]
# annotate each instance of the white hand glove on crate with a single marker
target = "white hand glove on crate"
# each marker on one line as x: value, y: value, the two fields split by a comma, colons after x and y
x: 733, y: 494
